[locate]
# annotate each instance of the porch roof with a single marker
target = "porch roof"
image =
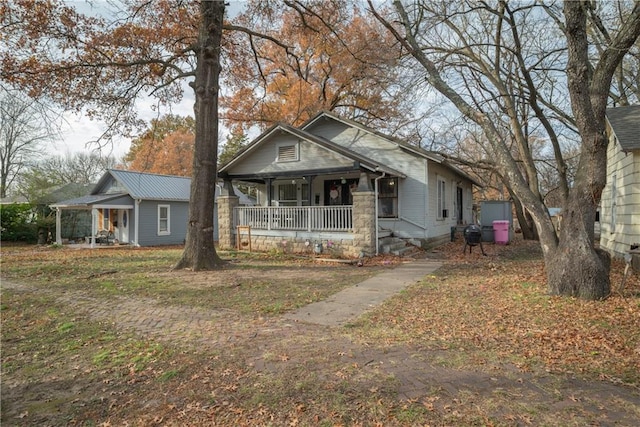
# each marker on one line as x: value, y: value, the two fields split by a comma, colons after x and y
x: 86, y: 201
x: 359, y: 160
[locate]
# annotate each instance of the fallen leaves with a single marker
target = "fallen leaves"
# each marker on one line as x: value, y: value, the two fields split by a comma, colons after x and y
x: 497, y: 307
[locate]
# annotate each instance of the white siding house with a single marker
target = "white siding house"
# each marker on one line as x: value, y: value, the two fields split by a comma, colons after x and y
x: 320, y: 164
x: 620, y: 203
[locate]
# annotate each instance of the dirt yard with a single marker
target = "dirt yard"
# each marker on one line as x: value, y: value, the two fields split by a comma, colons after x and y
x: 132, y: 342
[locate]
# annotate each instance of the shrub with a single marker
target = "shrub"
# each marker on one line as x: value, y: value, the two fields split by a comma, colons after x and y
x: 17, y: 223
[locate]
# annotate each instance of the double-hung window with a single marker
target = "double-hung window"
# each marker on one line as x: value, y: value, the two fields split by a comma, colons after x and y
x: 164, y: 220
x: 388, y: 198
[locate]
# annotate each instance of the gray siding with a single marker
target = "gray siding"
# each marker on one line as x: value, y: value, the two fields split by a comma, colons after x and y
x: 120, y: 201
x: 311, y: 157
x: 148, y: 223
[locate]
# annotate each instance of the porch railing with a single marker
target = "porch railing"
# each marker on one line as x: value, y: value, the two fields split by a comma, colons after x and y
x: 295, y: 218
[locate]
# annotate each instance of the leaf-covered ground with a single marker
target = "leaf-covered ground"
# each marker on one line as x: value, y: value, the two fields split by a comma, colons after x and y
x: 114, y: 337
x: 496, y: 306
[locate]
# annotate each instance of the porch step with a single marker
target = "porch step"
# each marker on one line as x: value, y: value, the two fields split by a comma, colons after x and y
x: 394, y: 246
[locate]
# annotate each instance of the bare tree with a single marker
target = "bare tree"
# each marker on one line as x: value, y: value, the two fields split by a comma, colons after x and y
x: 501, y: 65
x: 25, y: 125
x: 42, y: 176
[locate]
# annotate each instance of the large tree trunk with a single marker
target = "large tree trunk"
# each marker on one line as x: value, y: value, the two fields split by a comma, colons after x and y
x: 199, y: 252
x: 576, y: 267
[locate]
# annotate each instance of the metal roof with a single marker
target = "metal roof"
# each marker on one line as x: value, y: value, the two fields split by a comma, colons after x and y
x: 87, y: 201
x: 625, y: 122
x: 147, y: 186
x: 144, y: 186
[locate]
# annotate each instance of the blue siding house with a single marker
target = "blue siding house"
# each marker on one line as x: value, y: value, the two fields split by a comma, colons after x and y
x: 136, y: 208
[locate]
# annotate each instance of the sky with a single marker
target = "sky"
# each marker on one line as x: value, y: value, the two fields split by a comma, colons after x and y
x: 78, y: 130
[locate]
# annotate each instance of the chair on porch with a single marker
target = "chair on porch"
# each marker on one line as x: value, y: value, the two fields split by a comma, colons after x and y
x: 105, y: 237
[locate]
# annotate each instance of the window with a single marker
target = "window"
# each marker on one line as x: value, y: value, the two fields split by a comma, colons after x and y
x: 287, y: 153
x: 388, y: 198
x: 293, y: 194
x: 164, y: 220
x: 105, y: 220
x: 442, y: 200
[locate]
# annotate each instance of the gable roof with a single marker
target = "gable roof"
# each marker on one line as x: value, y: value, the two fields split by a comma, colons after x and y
x: 413, y: 149
x: 302, y: 134
x: 625, y: 123
x: 148, y: 186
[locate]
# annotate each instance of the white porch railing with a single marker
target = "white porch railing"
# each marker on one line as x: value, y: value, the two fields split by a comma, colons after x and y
x: 295, y: 218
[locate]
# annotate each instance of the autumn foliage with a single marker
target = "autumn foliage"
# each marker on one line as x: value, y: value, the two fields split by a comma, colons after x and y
x: 329, y: 57
x: 165, y: 148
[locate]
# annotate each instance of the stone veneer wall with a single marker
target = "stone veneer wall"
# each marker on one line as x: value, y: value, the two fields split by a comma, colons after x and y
x: 226, y: 232
x: 364, y: 223
x: 338, y: 247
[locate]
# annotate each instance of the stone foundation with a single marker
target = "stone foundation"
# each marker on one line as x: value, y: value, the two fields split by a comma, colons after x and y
x: 338, y: 246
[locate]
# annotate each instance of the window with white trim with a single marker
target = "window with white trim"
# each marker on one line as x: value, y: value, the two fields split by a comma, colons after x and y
x: 442, y: 199
x: 293, y: 194
x: 164, y: 220
x: 287, y: 152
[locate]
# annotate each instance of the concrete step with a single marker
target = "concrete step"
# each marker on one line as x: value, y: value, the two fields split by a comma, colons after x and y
x: 392, y: 245
x: 403, y: 251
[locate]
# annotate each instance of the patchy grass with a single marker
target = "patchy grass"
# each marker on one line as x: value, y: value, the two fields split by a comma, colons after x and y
x: 250, y: 283
x: 494, y: 348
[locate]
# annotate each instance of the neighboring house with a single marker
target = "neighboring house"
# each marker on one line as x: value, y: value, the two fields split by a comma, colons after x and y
x: 75, y: 223
x: 141, y: 209
x: 620, y: 203
x: 338, y: 183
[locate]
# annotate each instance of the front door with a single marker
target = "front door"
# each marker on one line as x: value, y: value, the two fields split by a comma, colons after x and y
x: 122, y: 232
x: 337, y: 192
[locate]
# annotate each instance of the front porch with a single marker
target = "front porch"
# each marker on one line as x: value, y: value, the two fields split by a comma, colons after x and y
x: 312, y: 219
x: 344, y: 230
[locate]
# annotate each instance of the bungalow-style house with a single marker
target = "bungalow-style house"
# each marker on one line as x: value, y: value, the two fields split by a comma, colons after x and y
x: 336, y: 184
x: 141, y: 209
x: 620, y: 203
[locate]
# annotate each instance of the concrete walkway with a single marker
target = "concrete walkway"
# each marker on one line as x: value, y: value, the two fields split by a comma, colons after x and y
x: 350, y: 303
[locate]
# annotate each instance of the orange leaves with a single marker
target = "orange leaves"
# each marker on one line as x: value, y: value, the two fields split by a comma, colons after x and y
x: 336, y: 57
x: 166, y: 148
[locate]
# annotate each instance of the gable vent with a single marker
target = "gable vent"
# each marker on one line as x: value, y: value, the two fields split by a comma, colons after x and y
x: 287, y: 153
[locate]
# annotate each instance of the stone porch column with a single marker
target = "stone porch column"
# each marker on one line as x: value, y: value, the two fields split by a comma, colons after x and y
x: 227, y: 200
x: 364, y: 223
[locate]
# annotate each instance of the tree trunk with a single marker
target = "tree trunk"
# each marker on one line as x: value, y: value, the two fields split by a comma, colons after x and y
x: 199, y: 252
x: 527, y: 226
x: 576, y: 267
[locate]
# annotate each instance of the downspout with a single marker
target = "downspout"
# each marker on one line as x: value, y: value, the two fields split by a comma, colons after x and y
x: 376, y: 212
x: 136, y: 221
